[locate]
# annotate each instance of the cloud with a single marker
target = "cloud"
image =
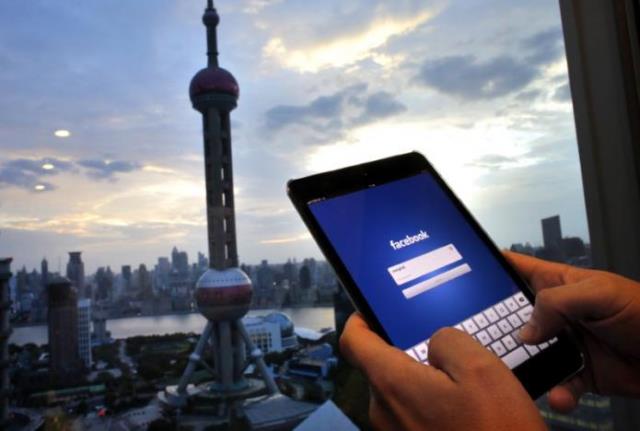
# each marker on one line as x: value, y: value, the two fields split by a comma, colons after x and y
x: 107, y: 169
x: 253, y: 7
x: 27, y: 173
x: 284, y: 240
x: 381, y: 105
x: 346, y: 48
x: 333, y: 113
x: 562, y: 93
x: 322, y: 107
x: 545, y: 47
x: 493, y: 161
x: 468, y: 77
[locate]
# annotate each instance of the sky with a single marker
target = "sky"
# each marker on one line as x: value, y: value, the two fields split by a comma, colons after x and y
x: 480, y: 87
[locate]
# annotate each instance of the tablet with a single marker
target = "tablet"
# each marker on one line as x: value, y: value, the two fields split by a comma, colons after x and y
x: 413, y: 259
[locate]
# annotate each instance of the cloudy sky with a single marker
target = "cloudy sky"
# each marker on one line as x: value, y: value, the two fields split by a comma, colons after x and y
x: 478, y: 86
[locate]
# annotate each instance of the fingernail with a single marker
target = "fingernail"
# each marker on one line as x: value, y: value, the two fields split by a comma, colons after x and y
x: 528, y: 331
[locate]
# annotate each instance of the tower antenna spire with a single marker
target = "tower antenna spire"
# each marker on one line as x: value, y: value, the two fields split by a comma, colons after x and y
x: 211, y: 19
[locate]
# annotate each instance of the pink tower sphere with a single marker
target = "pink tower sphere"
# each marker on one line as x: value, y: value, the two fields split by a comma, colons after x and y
x: 223, y: 295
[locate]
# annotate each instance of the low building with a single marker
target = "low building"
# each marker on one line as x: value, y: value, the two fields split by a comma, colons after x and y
x: 271, y: 333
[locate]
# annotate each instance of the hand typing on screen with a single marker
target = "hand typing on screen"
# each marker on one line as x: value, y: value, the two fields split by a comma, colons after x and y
x: 603, y: 309
x: 465, y: 387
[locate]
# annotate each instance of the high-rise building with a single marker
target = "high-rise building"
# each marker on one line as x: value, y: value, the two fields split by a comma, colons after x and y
x: 551, y: 232
x: 180, y: 262
x: 223, y: 292
x: 203, y: 262
x: 84, y: 331
x: 44, y: 269
x: 65, y: 362
x: 144, y: 282
x: 5, y: 333
x: 99, y: 315
x: 161, y: 274
x: 75, y: 272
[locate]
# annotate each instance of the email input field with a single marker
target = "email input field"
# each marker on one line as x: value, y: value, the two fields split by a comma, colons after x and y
x: 418, y: 266
x: 436, y: 281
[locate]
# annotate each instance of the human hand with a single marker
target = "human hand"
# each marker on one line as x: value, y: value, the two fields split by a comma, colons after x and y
x: 603, y: 309
x: 464, y: 387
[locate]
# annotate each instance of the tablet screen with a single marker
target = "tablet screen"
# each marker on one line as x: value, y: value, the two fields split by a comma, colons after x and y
x: 421, y: 266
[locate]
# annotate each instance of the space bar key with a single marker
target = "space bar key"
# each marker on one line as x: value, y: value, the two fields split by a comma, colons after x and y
x: 515, y: 358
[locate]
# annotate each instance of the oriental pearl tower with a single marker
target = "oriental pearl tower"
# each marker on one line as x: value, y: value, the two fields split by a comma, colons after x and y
x: 223, y: 293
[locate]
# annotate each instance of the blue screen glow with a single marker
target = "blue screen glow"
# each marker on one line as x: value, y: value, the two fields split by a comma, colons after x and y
x: 411, y: 252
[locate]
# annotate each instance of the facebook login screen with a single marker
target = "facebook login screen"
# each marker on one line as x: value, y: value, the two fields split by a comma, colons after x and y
x: 421, y: 266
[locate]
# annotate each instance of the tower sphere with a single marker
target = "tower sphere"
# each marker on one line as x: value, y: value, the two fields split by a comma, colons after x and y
x: 215, y: 80
x: 223, y: 295
x: 210, y: 18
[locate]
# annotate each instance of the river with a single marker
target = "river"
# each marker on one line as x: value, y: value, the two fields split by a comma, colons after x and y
x: 308, y: 317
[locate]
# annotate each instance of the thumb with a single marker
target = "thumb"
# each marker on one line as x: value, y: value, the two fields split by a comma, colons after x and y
x: 556, y: 307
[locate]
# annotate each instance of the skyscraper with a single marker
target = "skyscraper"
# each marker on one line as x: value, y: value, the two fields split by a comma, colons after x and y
x: 44, y: 269
x: 75, y: 272
x: 552, y: 237
x: 551, y: 232
x: 5, y: 333
x: 65, y: 362
x: 84, y: 331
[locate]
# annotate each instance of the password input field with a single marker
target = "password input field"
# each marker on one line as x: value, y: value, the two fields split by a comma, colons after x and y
x: 435, y: 281
x: 421, y: 265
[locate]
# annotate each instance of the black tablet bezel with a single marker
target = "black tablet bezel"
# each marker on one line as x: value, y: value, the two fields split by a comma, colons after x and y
x: 538, y: 374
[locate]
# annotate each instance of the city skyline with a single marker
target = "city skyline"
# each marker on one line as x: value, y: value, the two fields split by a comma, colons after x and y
x: 194, y: 259
x: 125, y: 180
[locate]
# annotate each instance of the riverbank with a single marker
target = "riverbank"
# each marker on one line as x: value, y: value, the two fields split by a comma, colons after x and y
x: 252, y: 311
x: 307, y: 317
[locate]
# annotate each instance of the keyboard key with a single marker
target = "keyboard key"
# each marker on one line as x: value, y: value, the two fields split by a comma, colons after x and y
x: 525, y: 313
x: 498, y: 348
x: 501, y: 309
x: 484, y: 338
x: 521, y: 299
x: 459, y: 327
x: 494, y: 332
x: 509, y: 342
x: 553, y: 340
x: 504, y: 326
x: 491, y: 315
x: 470, y: 327
x: 531, y: 349
x: 515, y: 321
x: 516, y: 336
x: 515, y: 358
x: 511, y: 304
x: 422, y: 351
x: 543, y: 346
x: 481, y: 321
x: 411, y: 353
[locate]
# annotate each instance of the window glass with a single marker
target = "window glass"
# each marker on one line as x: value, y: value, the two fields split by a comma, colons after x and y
x: 101, y: 152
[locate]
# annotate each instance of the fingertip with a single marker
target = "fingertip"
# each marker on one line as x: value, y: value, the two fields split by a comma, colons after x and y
x: 356, y: 320
x: 528, y: 334
x: 358, y: 340
x: 561, y: 399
